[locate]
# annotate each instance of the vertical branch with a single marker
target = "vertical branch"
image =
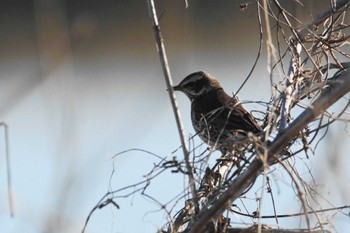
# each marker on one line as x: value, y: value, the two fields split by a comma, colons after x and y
x: 186, y: 4
x: 269, y: 43
x: 270, y: 55
x: 292, y: 73
x: 169, y: 83
x: 8, y: 169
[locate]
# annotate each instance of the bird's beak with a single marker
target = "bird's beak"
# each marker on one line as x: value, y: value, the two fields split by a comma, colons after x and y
x: 176, y: 88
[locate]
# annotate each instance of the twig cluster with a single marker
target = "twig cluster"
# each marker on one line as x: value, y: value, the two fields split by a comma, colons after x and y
x: 309, y: 72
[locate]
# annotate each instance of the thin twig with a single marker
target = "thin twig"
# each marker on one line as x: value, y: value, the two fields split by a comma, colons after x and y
x: 259, y: 50
x: 272, y: 199
x: 269, y: 44
x: 300, y: 193
x: 292, y: 215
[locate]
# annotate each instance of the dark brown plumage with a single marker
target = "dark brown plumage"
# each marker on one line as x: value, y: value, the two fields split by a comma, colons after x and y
x: 220, y: 120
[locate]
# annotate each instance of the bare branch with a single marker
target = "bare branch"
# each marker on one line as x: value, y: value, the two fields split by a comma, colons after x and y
x: 169, y: 83
x: 8, y: 169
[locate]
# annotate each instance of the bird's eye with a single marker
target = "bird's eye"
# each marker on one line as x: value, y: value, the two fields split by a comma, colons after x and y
x: 189, y: 85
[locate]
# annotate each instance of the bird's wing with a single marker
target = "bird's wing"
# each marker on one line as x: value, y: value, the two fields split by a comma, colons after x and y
x: 233, y: 118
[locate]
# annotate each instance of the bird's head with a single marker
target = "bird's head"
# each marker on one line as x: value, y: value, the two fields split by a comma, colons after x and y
x: 197, y: 84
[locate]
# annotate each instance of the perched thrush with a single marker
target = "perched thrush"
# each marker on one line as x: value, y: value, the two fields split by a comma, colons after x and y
x: 219, y: 119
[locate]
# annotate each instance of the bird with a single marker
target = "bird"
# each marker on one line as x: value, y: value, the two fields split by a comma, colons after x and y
x: 220, y: 120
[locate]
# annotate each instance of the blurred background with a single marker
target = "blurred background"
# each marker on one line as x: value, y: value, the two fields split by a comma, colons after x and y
x: 80, y: 81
